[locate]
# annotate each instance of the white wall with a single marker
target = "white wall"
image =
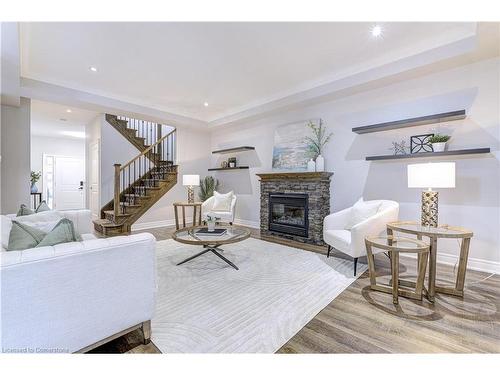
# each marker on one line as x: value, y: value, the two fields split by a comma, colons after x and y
x: 192, y: 157
x: 474, y: 203
x: 54, y: 146
x: 92, y: 136
x: 15, y: 151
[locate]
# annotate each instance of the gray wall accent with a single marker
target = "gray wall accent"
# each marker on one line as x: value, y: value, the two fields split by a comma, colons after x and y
x: 15, y: 151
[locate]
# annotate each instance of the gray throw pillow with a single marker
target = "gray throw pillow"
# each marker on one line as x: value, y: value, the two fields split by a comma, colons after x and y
x: 24, y: 210
x: 42, y: 207
x: 64, y: 231
x: 24, y: 237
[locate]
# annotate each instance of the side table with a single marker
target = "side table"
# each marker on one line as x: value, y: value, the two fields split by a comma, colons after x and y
x: 441, y: 231
x: 396, y: 245
x: 196, y: 213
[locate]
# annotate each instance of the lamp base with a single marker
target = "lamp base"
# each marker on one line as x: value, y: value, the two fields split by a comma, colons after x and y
x: 429, y: 208
x: 190, y: 194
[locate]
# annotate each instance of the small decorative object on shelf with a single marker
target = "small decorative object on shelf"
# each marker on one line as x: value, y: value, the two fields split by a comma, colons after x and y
x: 438, y: 142
x: 399, y: 148
x: 223, y: 164
x: 231, y: 162
x: 316, y: 143
x: 211, y: 220
x: 421, y: 143
x: 311, y: 166
x: 34, y: 178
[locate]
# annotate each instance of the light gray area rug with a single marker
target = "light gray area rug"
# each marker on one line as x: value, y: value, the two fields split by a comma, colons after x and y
x: 206, y: 306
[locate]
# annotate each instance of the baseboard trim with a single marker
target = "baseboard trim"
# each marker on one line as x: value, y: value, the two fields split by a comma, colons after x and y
x: 153, y: 224
x: 475, y: 264
x: 247, y: 223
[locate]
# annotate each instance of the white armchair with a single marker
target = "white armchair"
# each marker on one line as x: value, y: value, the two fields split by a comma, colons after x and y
x: 352, y: 242
x: 225, y: 216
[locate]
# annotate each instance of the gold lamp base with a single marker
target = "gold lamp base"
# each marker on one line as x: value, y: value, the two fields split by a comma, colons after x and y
x: 190, y: 194
x: 429, y: 208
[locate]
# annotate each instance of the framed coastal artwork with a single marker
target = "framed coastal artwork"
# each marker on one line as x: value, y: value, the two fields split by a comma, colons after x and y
x: 290, y: 152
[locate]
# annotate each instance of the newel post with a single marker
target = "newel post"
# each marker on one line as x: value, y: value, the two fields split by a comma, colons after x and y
x: 116, y: 200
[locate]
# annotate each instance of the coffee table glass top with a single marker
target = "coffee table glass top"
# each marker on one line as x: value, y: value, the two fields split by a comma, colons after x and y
x: 442, y: 230
x: 189, y: 235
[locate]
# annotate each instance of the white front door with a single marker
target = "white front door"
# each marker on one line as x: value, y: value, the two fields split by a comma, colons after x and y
x: 69, y: 189
x: 94, y: 181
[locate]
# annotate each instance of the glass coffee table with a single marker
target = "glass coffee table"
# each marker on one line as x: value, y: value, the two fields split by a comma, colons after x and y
x: 210, y: 243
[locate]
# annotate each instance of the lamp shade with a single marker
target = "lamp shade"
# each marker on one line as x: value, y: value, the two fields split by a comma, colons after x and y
x: 190, y: 180
x: 431, y: 175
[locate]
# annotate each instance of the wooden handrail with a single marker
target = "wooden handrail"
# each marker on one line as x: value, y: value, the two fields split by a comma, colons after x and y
x: 147, y: 150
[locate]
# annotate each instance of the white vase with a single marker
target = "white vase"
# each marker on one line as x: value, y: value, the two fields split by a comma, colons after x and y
x: 311, y: 166
x: 439, y: 146
x: 320, y: 164
x: 211, y: 226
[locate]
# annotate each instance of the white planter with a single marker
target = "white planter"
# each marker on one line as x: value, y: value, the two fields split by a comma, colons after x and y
x: 320, y: 164
x: 211, y: 226
x: 311, y: 166
x: 439, y: 147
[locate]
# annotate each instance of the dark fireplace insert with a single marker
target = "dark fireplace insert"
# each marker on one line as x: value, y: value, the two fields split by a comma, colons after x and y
x: 288, y: 213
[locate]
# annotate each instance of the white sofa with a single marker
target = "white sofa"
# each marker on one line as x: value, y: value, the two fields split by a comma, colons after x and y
x: 75, y: 296
x: 352, y: 242
x: 225, y: 216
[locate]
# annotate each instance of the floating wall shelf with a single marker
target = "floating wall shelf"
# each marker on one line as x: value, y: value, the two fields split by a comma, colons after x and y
x: 228, y: 169
x: 234, y: 149
x: 485, y: 150
x: 416, y: 121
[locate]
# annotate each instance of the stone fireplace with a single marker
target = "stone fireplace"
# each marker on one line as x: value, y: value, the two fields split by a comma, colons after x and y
x: 293, y: 205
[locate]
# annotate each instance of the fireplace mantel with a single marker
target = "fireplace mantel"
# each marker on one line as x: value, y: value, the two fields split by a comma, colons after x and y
x: 295, y: 175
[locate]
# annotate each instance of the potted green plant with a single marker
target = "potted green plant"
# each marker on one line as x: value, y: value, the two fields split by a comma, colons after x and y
x: 438, y: 142
x: 316, y: 142
x: 34, y: 178
x: 207, y: 187
x: 211, y: 220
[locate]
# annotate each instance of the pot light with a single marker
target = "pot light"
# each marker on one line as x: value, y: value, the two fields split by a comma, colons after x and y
x: 376, y: 31
x: 205, y: 104
x: 69, y: 110
x: 93, y: 69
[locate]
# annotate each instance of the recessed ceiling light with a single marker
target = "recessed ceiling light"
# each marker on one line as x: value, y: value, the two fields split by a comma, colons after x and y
x: 205, y: 104
x: 63, y: 119
x: 69, y: 110
x: 93, y: 69
x: 376, y: 31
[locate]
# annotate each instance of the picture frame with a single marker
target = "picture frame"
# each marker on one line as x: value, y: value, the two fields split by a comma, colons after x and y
x: 420, y: 143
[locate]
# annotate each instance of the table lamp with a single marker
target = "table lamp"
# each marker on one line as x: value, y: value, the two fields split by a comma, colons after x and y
x: 190, y: 180
x: 431, y: 175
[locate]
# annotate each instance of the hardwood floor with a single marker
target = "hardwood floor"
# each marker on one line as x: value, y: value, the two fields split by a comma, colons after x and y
x: 360, y: 320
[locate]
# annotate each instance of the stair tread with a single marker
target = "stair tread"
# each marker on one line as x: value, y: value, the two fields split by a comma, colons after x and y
x: 137, y: 195
x: 112, y: 212
x: 106, y: 223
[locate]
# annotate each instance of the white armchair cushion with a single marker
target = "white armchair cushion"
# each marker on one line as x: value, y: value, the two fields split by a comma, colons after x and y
x: 222, y: 202
x: 340, y: 239
x: 361, y: 211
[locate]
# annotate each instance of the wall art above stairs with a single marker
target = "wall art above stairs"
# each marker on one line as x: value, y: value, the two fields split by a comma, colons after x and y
x: 141, y: 182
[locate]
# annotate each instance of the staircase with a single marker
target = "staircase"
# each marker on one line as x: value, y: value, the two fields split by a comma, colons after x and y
x: 141, y: 182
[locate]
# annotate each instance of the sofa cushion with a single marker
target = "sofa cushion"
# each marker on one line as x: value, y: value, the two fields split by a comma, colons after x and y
x: 6, y: 227
x: 44, y: 221
x: 361, y: 211
x: 222, y: 202
x: 23, y: 236
x: 42, y: 207
x: 63, y: 232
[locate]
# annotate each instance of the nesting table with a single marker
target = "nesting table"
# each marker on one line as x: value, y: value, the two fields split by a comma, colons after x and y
x: 434, y: 233
x: 196, y: 213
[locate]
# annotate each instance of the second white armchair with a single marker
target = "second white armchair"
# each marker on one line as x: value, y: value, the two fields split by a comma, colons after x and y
x: 343, y: 234
x: 224, y: 212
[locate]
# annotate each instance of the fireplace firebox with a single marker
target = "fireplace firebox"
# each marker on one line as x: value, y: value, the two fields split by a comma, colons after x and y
x: 288, y: 213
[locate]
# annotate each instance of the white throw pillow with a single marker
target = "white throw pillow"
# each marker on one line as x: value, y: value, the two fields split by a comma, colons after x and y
x: 44, y: 221
x: 361, y: 211
x: 222, y: 202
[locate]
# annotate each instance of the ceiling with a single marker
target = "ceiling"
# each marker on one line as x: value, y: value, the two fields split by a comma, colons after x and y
x: 177, y: 67
x: 53, y: 120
